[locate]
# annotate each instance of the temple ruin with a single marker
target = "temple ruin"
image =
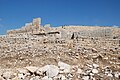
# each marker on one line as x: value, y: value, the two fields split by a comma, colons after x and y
x: 69, y: 52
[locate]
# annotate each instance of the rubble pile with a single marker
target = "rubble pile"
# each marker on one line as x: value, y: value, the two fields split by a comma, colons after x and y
x: 61, y: 71
x: 36, y: 52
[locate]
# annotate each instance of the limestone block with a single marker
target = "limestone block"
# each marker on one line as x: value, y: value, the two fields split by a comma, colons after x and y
x: 8, y: 75
x: 94, y: 71
x: 36, y: 22
x: 64, y: 66
x: 31, y: 68
x: 46, y: 78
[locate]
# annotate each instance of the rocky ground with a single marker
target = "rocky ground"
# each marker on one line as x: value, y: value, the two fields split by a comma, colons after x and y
x: 45, y: 59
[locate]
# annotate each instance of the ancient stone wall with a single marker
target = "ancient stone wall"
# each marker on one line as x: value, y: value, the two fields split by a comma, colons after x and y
x: 106, y: 33
x: 29, y: 27
x: 67, y: 53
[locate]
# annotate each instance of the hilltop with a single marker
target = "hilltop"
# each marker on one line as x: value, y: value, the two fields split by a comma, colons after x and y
x: 43, y: 52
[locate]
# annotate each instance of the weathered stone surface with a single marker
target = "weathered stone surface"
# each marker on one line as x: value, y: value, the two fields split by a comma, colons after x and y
x: 21, y: 76
x: 22, y: 70
x: 16, y: 78
x: 8, y: 75
x: 46, y: 78
x: 65, y: 52
x: 35, y: 78
x: 32, y: 68
x: 94, y: 70
x: 51, y: 70
x: 95, y: 65
x: 85, y: 78
x: 65, y: 67
x: 79, y: 71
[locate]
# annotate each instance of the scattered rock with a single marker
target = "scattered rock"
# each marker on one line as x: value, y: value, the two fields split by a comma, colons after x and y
x: 16, y: 78
x: 110, y: 75
x: 89, y: 50
x: 52, y: 71
x: 31, y: 68
x: 21, y: 76
x: 35, y: 78
x: 95, y: 65
x: 79, y: 71
x: 64, y: 66
x: 94, y: 50
x: 63, y: 77
x: 8, y: 75
x: 46, y: 78
x: 22, y: 70
x: 117, y: 74
x: 85, y: 78
x: 94, y: 71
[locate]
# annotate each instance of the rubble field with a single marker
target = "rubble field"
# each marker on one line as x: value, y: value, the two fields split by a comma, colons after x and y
x: 36, y: 52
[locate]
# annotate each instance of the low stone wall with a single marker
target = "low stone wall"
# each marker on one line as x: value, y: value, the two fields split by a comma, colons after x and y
x: 106, y: 33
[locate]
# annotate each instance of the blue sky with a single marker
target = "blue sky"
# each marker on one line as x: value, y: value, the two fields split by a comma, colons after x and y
x: 15, y: 13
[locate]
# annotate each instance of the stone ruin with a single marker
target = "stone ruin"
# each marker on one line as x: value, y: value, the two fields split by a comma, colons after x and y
x: 35, y: 28
x: 105, y: 33
x: 42, y: 52
x: 28, y: 28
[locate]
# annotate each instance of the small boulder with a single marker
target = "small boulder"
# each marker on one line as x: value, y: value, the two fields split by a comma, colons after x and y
x: 64, y: 66
x: 95, y: 65
x: 85, y: 78
x: 35, y: 78
x: 46, y: 78
x: 94, y: 71
x: 49, y: 70
x: 16, y: 78
x: 31, y: 68
x: 79, y: 71
x: 52, y: 71
x: 21, y: 76
x: 22, y: 70
x: 94, y: 50
x: 8, y: 75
